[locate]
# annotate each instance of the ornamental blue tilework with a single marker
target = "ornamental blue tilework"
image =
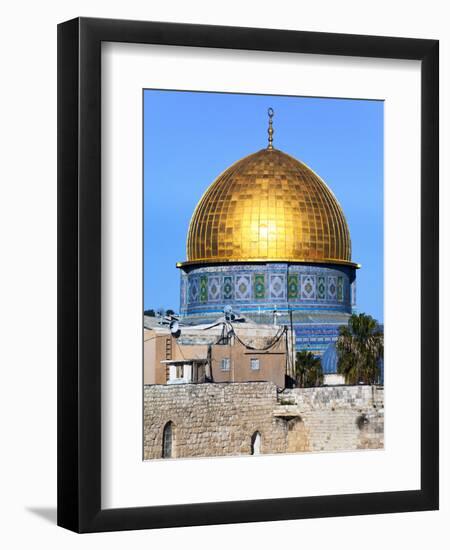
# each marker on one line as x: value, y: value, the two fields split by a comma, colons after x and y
x: 321, y: 287
x: 228, y: 288
x: 308, y: 287
x: 292, y: 286
x: 214, y: 288
x: 340, y: 289
x: 332, y: 288
x: 205, y: 290
x: 193, y: 290
x: 242, y: 287
x: 316, y: 338
x: 277, y: 286
x: 259, y: 286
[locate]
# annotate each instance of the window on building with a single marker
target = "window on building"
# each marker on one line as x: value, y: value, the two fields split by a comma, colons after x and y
x: 167, y: 443
x: 179, y: 371
x: 225, y: 364
x: 254, y: 364
x: 256, y: 444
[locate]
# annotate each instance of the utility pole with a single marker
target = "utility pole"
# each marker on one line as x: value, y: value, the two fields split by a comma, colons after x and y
x: 292, y: 344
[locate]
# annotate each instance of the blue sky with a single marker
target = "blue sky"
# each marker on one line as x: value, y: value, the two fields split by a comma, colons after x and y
x: 191, y: 137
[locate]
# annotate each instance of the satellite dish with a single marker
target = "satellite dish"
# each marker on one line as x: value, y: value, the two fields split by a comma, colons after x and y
x: 229, y: 315
x: 233, y: 315
x: 174, y: 327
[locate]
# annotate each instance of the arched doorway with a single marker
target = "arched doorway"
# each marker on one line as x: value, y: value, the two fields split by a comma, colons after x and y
x: 256, y: 444
x: 167, y: 440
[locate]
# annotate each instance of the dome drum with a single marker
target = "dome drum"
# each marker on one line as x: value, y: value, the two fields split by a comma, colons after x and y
x: 258, y: 287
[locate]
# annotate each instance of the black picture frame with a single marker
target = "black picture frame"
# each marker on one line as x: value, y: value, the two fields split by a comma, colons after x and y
x: 79, y: 274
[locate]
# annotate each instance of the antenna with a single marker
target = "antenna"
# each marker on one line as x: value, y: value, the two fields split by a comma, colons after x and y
x: 275, y: 314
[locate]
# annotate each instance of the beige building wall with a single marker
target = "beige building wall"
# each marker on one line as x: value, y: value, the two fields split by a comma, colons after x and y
x: 160, y: 345
x: 239, y: 360
x: 157, y: 346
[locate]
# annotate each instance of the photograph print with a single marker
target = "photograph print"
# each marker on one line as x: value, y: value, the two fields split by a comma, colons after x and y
x: 263, y: 275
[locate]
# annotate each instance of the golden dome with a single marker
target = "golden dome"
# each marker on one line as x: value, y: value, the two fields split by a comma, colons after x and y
x: 268, y: 206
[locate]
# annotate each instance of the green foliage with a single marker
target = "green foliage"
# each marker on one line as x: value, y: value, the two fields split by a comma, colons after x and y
x: 150, y: 312
x: 360, y: 349
x: 308, y: 370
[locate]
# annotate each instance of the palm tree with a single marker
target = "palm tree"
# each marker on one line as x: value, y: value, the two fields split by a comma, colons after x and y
x: 360, y: 349
x: 308, y: 370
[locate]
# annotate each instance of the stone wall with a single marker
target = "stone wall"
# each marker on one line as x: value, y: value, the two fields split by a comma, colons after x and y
x: 340, y: 417
x: 220, y: 419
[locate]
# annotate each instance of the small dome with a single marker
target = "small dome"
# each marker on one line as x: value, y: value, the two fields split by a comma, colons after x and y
x: 330, y: 360
x: 268, y: 206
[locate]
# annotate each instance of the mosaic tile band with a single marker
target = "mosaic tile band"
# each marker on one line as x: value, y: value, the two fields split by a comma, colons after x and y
x: 265, y: 286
